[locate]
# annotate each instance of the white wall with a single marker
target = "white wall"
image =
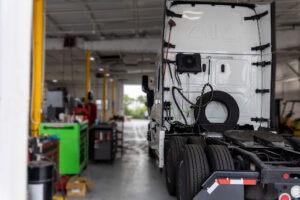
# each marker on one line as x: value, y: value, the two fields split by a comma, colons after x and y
x: 15, y: 43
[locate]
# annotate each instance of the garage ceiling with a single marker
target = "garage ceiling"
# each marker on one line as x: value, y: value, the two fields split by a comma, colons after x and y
x: 101, y: 20
x: 106, y: 19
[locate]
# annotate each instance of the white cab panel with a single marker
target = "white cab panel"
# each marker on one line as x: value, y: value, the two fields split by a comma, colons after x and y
x: 220, y: 34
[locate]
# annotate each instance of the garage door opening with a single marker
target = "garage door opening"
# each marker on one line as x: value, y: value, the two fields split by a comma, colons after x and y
x: 134, y: 102
x: 135, y: 127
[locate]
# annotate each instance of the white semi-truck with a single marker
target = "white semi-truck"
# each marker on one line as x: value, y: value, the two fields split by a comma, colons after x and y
x: 211, y: 105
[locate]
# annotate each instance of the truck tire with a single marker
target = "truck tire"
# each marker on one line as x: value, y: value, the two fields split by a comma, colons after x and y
x: 166, y: 150
x: 193, y: 170
x: 151, y: 153
x: 219, y: 158
x: 173, y: 157
x: 197, y: 140
x: 229, y: 102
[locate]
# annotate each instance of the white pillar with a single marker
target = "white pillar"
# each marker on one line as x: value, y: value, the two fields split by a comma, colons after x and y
x: 119, y: 98
x: 15, y: 43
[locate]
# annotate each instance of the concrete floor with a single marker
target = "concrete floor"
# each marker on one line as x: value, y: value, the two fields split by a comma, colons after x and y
x: 132, y: 176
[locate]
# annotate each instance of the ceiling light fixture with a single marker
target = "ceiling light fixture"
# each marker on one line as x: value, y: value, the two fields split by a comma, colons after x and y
x: 191, y: 15
x: 92, y: 58
x: 54, y: 81
x: 101, y: 69
x: 107, y: 74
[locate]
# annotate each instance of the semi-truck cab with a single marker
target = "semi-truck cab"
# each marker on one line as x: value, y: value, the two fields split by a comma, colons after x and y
x: 212, y: 105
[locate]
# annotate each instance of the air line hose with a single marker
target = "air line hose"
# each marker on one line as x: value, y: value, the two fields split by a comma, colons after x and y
x: 194, y: 106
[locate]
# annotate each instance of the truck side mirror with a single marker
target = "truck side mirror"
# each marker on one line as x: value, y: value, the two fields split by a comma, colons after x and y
x: 145, y: 86
x: 148, y: 91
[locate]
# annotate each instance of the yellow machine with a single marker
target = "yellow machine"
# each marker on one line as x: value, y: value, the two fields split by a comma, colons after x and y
x: 288, y: 124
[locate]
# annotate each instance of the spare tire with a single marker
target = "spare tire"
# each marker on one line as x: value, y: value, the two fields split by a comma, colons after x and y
x: 231, y: 105
x: 193, y: 170
x: 171, y: 163
x: 219, y: 158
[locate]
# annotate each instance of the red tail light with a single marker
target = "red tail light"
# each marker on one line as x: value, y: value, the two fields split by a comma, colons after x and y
x: 286, y: 176
x: 284, y: 196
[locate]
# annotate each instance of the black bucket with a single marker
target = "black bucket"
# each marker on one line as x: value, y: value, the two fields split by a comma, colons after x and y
x: 40, y: 180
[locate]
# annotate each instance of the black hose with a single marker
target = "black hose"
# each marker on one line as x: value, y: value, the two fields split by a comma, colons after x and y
x: 208, y: 74
x: 193, y: 104
x: 173, y: 94
x: 181, y: 94
x: 177, y: 78
x: 199, y: 106
x: 171, y: 75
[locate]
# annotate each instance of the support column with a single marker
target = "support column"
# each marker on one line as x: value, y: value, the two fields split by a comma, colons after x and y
x: 104, y: 95
x: 38, y: 19
x: 87, y: 75
x: 120, y: 97
x: 113, y: 98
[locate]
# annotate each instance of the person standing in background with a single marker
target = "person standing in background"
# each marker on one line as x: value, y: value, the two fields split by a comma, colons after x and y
x: 92, y: 109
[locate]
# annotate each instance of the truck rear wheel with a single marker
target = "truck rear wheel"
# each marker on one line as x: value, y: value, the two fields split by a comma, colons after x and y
x: 193, y: 170
x: 219, y: 158
x: 151, y: 153
x: 196, y: 140
x: 175, y: 147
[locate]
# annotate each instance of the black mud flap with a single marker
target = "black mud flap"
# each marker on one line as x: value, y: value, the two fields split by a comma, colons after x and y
x: 227, y: 185
x: 226, y: 192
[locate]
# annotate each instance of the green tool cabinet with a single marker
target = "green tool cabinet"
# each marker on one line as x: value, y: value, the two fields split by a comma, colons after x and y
x: 73, y: 146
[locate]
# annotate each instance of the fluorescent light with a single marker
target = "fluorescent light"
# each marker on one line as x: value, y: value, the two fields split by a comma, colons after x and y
x: 192, y: 12
x: 92, y: 58
x: 289, y: 79
x: 54, y: 81
x: 190, y: 18
x: 107, y: 74
x: 191, y: 15
x: 101, y: 69
x: 111, y: 80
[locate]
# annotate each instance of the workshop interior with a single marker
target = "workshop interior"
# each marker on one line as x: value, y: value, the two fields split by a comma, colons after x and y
x: 160, y: 99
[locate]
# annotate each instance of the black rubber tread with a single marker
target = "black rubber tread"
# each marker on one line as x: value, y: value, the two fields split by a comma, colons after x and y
x: 151, y: 153
x: 295, y: 141
x: 196, y: 140
x: 232, y: 107
x: 193, y: 171
x: 166, y: 149
x: 171, y: 164
x: 219, y: 158
x: 179, y: 142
